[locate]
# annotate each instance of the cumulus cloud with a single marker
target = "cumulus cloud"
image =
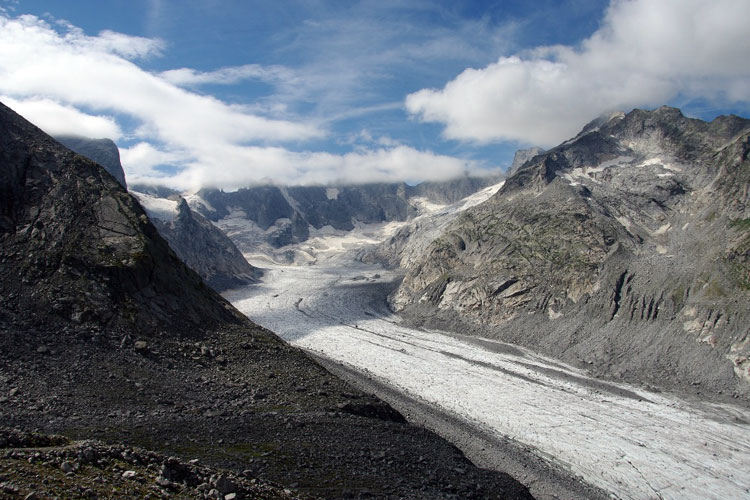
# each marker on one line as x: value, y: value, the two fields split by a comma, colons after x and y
x: 57, y: 119
x: 645, y: 53
x: 45, y: 70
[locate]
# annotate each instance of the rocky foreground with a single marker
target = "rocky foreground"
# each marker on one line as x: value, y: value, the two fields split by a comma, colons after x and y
x: 36, y: 466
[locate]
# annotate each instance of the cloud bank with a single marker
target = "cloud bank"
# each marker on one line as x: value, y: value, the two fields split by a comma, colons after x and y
x: 68, y: 82
x: 645, y: 53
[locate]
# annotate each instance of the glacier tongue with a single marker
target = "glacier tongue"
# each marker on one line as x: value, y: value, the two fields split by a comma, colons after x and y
x: 632, y: 443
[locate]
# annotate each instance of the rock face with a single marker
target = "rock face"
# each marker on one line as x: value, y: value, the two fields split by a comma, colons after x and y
x: 200, y: 244
x: 625, y: 250
x: 197, y: 242
x: 102, y: 151
x: 75, y: 243
x: 521, y: 157
x: 407, y: 246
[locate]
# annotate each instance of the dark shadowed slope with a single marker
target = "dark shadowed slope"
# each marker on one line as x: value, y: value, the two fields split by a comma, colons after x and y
x: 78, y: 247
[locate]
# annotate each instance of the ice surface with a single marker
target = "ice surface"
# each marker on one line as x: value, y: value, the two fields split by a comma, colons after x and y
x: 632, y: 443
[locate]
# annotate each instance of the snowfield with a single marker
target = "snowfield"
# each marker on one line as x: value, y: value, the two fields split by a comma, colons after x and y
x: 629, y: 442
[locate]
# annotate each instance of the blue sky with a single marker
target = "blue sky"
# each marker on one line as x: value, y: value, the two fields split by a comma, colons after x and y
x: 230, y: 92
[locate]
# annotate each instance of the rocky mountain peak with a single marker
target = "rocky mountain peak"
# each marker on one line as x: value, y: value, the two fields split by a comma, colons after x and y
x: 638, y: 135
x: 201, y: 245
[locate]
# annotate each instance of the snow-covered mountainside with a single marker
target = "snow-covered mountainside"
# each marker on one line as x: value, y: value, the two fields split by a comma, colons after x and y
x: 410, y: 241
x: 200, y: 244
x: 625, y: 250
x: 265, y: 218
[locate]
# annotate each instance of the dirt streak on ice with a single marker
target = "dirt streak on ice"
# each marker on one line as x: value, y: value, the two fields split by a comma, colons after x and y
x: 629, y: 442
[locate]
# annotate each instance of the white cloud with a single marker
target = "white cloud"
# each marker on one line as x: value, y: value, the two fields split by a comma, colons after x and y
x: 41, y: 67
x: 90, y: 71
x: 142, y: 158
x: 645, y: 53
x: 57, y: 119
x: 252, y: 165
x: 181, y: 138
x: 230, y: 75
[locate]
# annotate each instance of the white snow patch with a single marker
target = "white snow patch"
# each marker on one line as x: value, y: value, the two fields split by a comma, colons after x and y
x: 332, y: 193
x: 666, y: 165
x: 196, y: 203
x: 587, y: 172
x: 159, y: 208
x: 627, y: 223
x: 425, y: 206
x: 479, y: 197
x: 552, y: 314
x: 672, y: 167
x: 650, y: 161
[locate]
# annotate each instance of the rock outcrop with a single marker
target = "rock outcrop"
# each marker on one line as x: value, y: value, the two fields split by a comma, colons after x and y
x: 201, y: 245
x: 76, y: 244
x: 102, y: 151
x: 623, y: 250
x: 521, y: 157
x: 280, y: 216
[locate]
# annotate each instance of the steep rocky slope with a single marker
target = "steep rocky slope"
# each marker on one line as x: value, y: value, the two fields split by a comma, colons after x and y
x: 405, y: 248
x: 200, y: 244
x: 76, y: 246
x: 106, y: 334
x: 197, y: 242
x: 102, y: 151
x: 624, y: 249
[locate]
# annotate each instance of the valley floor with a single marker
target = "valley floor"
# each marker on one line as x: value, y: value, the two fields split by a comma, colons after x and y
x: 629, y: 442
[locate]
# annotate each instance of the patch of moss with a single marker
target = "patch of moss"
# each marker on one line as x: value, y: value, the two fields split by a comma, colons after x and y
x: 741, y: 274
x: 714, y: 290
x: 740, y: 224
x: 678, y: 297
